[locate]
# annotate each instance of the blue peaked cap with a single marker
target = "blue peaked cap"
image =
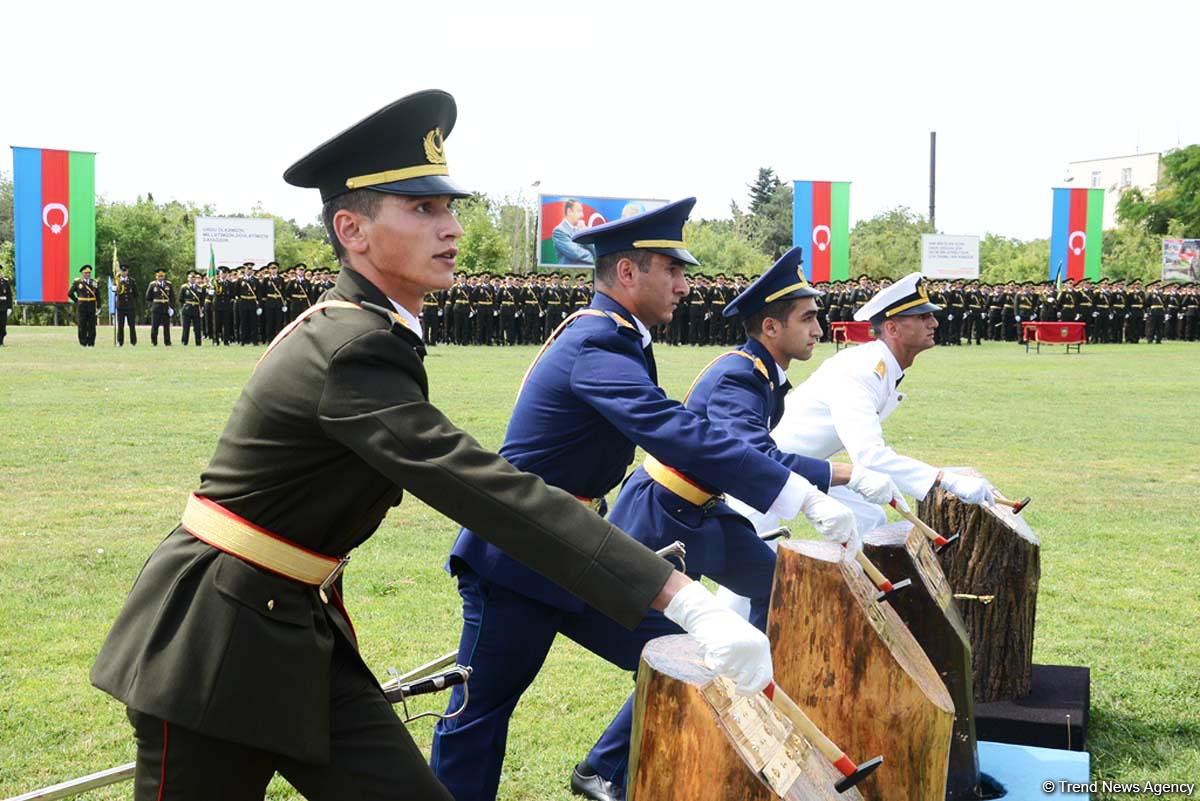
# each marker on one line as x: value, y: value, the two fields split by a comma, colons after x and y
x: 659, y: 230
x: 785, y: 279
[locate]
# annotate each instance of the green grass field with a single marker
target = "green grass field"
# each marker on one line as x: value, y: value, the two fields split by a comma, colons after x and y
x: 99, y: 448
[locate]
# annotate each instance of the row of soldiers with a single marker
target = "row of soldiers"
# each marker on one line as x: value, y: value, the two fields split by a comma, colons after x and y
x: 525, y: 309
x: 249, y: 306
x: 244, y: 307
x: 1111, y: 311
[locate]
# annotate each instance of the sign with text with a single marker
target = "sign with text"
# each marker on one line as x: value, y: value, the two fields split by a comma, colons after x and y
x: 233, y: 241
x: 944, y: 256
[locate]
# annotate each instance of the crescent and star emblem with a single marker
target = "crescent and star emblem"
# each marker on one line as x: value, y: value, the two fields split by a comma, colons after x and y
x: 435, y: 152
x: 1077, y: 249
x: 55, y: 228
x: 822, y: 244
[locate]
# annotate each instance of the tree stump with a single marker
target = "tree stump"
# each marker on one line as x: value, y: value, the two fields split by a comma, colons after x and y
x: 851, y: 664
x: 695, y: 739
x: 998, y: 556
x: 931, y: 614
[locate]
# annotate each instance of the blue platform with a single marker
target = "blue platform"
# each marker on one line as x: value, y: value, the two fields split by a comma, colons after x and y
x: 1023, y: 769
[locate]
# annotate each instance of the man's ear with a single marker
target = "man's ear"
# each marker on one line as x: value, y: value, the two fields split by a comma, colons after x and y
x: 349, y: 230
x: 624, y: 270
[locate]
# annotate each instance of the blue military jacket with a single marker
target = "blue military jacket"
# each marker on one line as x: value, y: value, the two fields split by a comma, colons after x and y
x: 740, y: 392
x: 584, y: 407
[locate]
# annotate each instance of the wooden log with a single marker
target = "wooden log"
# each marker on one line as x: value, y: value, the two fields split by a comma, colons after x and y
x: 999, y: 557
x: 695, y: 739
x: 929, y: 611
x: 851, y: 664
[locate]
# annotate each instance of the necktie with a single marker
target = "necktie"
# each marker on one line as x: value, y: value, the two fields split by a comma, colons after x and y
x: 651, y: 367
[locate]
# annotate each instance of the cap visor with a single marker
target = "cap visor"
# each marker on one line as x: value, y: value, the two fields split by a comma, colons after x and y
x: 677, y: 253
x: 428, y: 186
x: 924, y: 308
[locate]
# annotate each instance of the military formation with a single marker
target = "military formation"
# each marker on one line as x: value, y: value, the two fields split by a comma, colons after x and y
x: 974, y: 312
x: 246, y: 306
x: 250, y: 305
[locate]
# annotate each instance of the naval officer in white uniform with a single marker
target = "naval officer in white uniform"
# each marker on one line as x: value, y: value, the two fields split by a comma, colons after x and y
x: 843, y: 404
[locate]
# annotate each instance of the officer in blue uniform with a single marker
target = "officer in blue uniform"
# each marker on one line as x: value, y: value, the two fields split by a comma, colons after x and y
x: 742, y: 391
x: 588, y: 400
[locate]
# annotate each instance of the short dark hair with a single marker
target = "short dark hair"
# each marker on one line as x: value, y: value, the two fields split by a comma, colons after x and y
x: 569, y: 204
x: 606, y: 266
x: 776, y: 309
x: 360, y: 201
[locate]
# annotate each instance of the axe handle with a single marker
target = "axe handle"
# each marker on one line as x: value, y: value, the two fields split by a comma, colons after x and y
x: 1011, y: 504
x: 787, y: 707
x: 919, y: 523
x: 873, y: 573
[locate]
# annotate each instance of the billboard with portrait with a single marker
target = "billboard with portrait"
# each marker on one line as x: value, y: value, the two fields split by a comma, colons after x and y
x: 1181, y: 260
x: 560, y: 216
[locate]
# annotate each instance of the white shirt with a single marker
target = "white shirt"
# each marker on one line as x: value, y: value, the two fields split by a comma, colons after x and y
x: 842, y: 406
x: 413, y: 321
x: 643, y: 330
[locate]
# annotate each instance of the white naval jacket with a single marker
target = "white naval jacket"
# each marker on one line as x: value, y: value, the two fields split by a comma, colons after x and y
x: 841, y: 407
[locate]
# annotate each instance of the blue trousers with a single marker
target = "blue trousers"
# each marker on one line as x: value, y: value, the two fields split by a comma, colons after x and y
x: 506, y: 637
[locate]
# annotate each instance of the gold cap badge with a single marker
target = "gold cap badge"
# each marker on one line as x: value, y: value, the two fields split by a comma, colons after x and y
x: 435, y: 152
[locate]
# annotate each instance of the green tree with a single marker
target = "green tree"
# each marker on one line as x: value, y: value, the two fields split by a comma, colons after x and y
x: 1131, y: 252
x: 6, y: 207
x: 1003, y: 259
x: 1176, y: 200
x: 770, y: 228
x: 889, y: 244
x: 763, y: 189
x: 483, y: 247
x: 724, y: 246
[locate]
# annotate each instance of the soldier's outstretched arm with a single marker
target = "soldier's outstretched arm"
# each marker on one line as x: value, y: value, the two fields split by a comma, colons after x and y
x: 373, y: 404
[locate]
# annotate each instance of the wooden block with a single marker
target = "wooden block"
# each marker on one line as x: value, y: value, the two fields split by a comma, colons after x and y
x: 998, y: 556
x: 696, y: 739
x: 929, y: 611
x: 853, y: 666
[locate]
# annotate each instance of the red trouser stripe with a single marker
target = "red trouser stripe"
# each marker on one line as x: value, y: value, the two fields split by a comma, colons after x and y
x: 162, y: 778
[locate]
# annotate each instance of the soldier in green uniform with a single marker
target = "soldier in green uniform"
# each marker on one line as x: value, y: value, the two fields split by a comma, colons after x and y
x: 224, y: 331
x: 191, y: 299
x: 1174, y: 312
x: 85, y: 295
x: 234, y: 652
x: 6, y: 304
x: 297, y: 291
x: 126, y: 307
x: 1134, y: 323
x: 161, y: 299
x: 248, y: 309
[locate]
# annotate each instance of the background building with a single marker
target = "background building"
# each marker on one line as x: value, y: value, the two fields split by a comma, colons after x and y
x: 1114, y: 175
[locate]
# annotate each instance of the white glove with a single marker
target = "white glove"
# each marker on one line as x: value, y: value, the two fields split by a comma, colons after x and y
x: 732, y: 647
x: 875, y: 487
x: 835, y: 521
x: 285, y: 309
x: 969, y: 489
x: 170, y: 312
x: 258, y: 311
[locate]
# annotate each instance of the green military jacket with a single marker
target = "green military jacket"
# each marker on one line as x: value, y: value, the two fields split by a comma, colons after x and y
x: 211, y: 643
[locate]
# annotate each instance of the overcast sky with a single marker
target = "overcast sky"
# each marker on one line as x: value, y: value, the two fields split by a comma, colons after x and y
x: 211, y: 101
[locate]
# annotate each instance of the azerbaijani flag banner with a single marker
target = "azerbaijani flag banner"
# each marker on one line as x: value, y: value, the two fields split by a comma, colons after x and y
x: 54, y: 220
x: 1076, y: 236
x: 821, y: 225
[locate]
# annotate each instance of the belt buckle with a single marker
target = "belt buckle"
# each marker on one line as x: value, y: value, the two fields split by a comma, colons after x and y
x: 332, y: 578
x: 711, y: 503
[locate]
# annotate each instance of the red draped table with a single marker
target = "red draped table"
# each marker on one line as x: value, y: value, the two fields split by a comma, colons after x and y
x: 1072, y: 335
x: 850, y: 333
